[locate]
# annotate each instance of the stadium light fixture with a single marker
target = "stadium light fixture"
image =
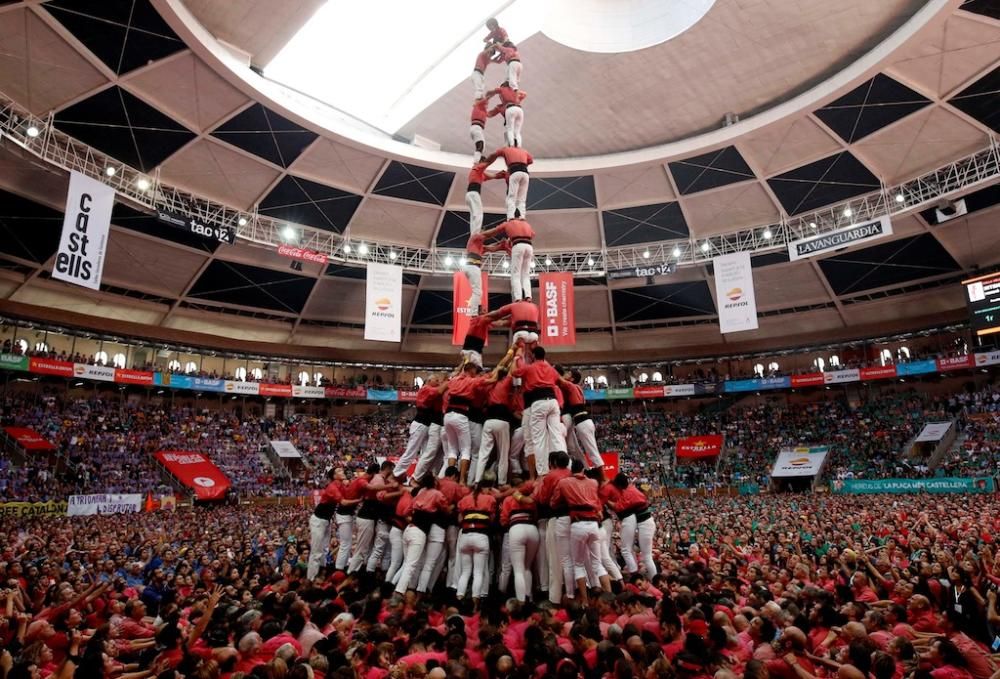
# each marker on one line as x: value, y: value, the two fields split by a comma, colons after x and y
x: 590, y: 261
x: 142, y: 184
x: 32, y: 131
x: 288, y: 233
x: 900, y: 198
x: 392, y: 255
x: 676, y: 253
x: 363, y: 249
x: 767, y: 234
x: 812, y: 225
x: 848, y: 212
x: 645, y: 254
x: 242, y: 221
x: 705, y: 246
x: 548, y: 261
x: 110, y: 171
x: 506, y: 264
x: 347, y: 249
x: 448, y: 260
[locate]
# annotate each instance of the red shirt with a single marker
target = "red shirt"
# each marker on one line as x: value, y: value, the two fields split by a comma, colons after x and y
x: 509, y: 53
x: 573, y: 393
x: 477, y: 175
x: 452, y: 490
x: 579, y: 494
x: 461, y: 386
x: 517, y: 228
x: 508, y: 97
x: 609, y: 493
x: 513, y: 155
x: 521, y: 313
x: 356, y: 488
x: 483, y: 504
x: 543, y: 491
x: 510, y: 505
x: 404, y: 506
x: 538, y: 375
x: 334, y: 492
x: 498, y: 34
x: 475, y: 244
x: 500, y: 392
x: 479, y: 115
x: 631, y: 499
x: 428, y: 397
x: 430, y: 500
x: 482, y: 61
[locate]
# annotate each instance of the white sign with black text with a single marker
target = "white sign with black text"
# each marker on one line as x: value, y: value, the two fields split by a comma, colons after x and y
x: 383, y: 303
x: 84, y: 240
x: 841, y: 238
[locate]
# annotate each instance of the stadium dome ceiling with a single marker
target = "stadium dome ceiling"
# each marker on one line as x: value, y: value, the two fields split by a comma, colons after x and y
x: 146, y: 83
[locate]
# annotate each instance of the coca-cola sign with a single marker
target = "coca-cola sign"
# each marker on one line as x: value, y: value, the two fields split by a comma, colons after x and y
x: 304, y: 254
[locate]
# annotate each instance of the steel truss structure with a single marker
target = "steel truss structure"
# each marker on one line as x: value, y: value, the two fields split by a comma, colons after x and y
x: 56, y: 148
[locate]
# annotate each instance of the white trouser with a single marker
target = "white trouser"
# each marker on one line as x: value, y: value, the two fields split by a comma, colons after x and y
x: 520, y: 270
x: 472, y: 356
x: 457, y: 437
x: 425, y: 465
x: 565, y: 554
x: 345, y: 533
x: 478, y: 144
x: 517, y: 194
x: 476, y: 442
x: 319, y: 542
x: 554, y: 562
x: 607, y: 527
x: 479, y: 84
x: 514, y: 69
x: 523, y: 548
x: 586, y: 537
x: 513, y: 118
x: 475, y: 276
x: 364, y: 536
x: 378, y: 548
x: 571, y: 446
x: 516, y: 448
x: 546, y: 430
x: 435, y: 546
x: 646, y: 531
x: 505, y: 566
x: 474, y: 550
x: 496, y: 437
x: 526, y: 336
x: 586, y: 439
x: 396, y: 553
x: 542, y: 556
x: 451, y: 542
x: 541, y: 466
x: 414, y: 444
x: 474, y: 200
x: 414, y: 540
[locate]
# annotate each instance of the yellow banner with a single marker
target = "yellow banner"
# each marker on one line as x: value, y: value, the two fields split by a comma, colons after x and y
x: 32, y: 508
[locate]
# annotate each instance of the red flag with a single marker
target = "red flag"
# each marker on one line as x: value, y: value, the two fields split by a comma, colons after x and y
x: 557, y: 309
x: 699, y: 446
x: 196, y: 472
x: 610, y: 465
x: 461, y: 312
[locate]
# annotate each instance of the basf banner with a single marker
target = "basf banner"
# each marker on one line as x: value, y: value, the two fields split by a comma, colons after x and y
x: 383, y: 302
x: 196, y: 472
x: 695, y: 447
x: 799, y: 462
x: 842, y: 238
x: 106, y: 503
x: 557, y: 309
x: 84, y: 240
x: 461, y: 309
x: 285, y: 449
x: 734, y: 292
x: 933, y: 431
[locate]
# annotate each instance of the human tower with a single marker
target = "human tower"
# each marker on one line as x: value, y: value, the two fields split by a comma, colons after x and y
x: 470, y: 431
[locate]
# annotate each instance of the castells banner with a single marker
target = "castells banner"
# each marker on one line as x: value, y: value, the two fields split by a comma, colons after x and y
x: 195, y: 471
x: 694, y: 447
x: 940, y: 485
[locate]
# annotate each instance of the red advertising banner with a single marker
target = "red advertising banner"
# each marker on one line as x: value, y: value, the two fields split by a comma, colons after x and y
x: 695, y: 447
x: 275, y: 390
x: 810, y: 380
x: 407, y: 395
x: 557, y: 309
x: 648, y: 392
x: 610, y: 465
x: 305, y: 254
x: 48, y: 366
x: 29, y: 439
x: 196, y: 472
x: 133, y: 377
x: 461, y: 311
x: 347, y: 392
x: 884, y: 372
x: 956, y: 363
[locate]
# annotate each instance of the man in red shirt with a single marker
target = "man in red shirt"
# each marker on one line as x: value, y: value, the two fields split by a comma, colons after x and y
x: 427, y: 397
x: 539, y: 380
x: 522, y: 252
x: 430, y: 453
x: 632, y: 508
x: 477, y: 126
x: 474, y: 250
x: 483, y: 60
x: 319, y: 522
x: 579, y: 423
x: 496, y: 428
x: 517, y: 161
x: 473, y: 192
x: 513, y: 113
x: 580, y: 494
x: 549, y: 565
x: 457, y: 436
x: 523, y: 320
x: 367, y: 517
x: 496, y: 34
x: 353, y: 494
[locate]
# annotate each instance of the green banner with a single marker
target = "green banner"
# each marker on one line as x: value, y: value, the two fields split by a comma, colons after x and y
x: 749, y: 489
x: 619, y: 393
x: 982, y: 484
x: 13, y: 362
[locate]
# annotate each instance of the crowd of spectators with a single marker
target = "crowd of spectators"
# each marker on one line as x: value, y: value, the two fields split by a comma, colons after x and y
x: 788, y: 586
